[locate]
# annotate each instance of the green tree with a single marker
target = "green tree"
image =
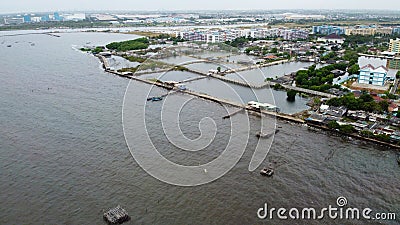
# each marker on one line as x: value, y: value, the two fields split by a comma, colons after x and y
x: 384, y: 105
x: 348, y: 129
x: 274, y: 50
x: 140, y: 43
x: 333, y: 125
x: 334, y: 102
x: 383, y: 137
x: 371, y: 107
x: 277, y: 87
x: 366, y: 97
x: 354, y: 69
x: 367, y: 133
x: 291, y: 95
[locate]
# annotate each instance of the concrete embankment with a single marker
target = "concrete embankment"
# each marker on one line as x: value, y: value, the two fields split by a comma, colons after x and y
x: 356, y: 136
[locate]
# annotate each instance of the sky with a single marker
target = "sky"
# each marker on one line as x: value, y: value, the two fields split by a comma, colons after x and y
x: 16, y: 6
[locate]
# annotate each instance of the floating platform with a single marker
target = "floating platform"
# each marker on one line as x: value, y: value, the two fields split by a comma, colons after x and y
x: 116, y: 215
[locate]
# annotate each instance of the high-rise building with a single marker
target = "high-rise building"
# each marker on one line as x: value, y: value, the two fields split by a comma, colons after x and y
x: 45, y: 18
x: 327, y: 30
x: 27, y: 19
x: 396, y: 30
x: 394, y: 45
x: 57, y: 16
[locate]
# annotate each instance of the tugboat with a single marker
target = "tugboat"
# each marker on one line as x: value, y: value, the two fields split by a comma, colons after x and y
x: 267, y: 172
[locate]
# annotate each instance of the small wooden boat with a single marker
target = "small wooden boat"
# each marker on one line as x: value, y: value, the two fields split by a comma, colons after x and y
x: 154, y: 99
x: 265, y: 135
x: 398, y: 159
x: 267, y: 172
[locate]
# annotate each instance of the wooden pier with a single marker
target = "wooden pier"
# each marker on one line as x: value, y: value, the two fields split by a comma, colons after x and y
x: 192, y: 79
x: 205, y: 96
x: 266, y: 84
x: 232, y: 114
x: 256, y: 66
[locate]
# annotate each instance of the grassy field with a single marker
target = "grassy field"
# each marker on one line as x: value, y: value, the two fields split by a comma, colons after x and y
x: 305, y: 24
x: 144, y: 33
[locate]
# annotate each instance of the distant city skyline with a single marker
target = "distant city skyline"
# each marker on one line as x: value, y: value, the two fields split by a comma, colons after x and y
x: 21, y: 6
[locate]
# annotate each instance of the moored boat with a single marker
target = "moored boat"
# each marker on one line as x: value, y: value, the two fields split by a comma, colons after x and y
x: 267, y: 172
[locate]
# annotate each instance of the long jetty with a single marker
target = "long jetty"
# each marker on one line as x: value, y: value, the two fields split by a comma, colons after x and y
x: 257, y: 66
x: 222, y: 77
x: 271, y: 83
x: 208, y: 97
x: 267, y: 84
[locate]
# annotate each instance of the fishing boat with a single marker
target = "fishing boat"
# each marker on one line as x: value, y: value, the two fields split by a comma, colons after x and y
x: 154, y: 99
x: 267, y: 172
x: 398, y: 158
x: 266, y: 135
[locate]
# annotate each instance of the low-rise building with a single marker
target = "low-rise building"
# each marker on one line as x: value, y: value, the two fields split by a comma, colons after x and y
x: 332, y: 38
x: 393, y: 63
x: 394, y: 45
x: 357, y: 114
x: 371, y: 75
x: 328, y: 29
x: 369, y: 30
x: 14, y: 20
x: 336, y: 111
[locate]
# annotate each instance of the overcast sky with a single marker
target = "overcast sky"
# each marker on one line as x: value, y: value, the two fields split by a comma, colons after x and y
x: 11, y: 6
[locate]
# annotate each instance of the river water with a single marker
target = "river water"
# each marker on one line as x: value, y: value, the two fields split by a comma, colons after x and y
x: 63, y: 156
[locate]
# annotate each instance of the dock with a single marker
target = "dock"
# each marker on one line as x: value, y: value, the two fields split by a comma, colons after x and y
x: 116, y: 215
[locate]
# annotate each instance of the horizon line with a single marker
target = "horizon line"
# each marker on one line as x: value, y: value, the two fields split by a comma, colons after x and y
x: 196, y: 10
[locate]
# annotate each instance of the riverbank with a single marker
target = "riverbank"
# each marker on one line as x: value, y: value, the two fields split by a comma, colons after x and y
x: 354, y: 135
